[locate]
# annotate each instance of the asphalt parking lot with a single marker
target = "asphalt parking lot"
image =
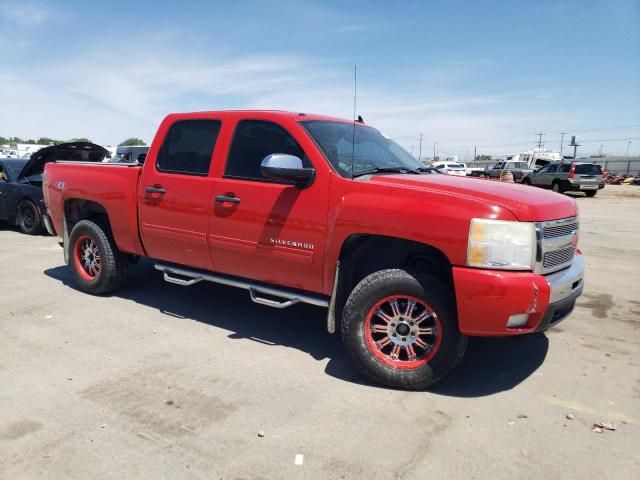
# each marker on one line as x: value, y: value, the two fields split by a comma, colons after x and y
x: 160, y: 381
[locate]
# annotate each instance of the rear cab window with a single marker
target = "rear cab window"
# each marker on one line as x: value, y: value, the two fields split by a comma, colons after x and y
x: 188, y: 147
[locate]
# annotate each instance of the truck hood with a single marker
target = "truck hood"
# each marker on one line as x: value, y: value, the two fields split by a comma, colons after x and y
x: 72, y: 151
x: 528, y: 204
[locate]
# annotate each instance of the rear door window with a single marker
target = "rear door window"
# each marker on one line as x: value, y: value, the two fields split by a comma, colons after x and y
x: 565, y: 168
x: 588, y: 169
x: 188, y: 147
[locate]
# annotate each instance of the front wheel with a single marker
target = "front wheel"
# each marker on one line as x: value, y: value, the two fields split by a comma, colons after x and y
x: 29, y: 218
x: 400, y: 329
x: 97, y: 264
x: 591, y: 193
x: 526, y: 181
x: 556, y: 187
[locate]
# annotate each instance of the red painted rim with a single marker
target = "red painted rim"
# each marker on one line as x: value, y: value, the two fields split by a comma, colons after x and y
x: 87, y: 258
x: 402, y: 332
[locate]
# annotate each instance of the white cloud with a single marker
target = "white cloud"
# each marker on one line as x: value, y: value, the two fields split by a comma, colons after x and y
x: 24, y: 13
x: 100, y: 96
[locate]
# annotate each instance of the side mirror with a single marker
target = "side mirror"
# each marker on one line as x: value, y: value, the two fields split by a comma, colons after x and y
x: 280, y: 166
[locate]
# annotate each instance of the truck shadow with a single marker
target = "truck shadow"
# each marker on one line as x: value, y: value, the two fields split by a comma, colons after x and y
x: 491, y: 365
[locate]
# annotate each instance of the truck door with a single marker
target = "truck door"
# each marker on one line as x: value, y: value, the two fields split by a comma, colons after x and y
x: 175, y: 193
x: 263, y: 229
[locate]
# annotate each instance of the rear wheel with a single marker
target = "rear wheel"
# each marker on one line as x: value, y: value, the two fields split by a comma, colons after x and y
x: 526, y: 181
x: 400, y: 329
x: 556, y: 187
x: 29, y: 218
x: 591, y: 193
x: 97, y: 264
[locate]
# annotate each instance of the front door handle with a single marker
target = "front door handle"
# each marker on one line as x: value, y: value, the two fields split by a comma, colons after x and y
x: 227, y: 198
x: 154, y: 189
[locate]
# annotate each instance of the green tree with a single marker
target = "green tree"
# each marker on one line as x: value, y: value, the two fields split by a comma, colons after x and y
x: 48, y: 141
x: 4, y: 141
x: 81, y: 139
x: 484, y: 158
x: 132, y: 142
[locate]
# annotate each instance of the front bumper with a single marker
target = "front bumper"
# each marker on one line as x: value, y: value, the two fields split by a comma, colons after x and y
x: 485, y: 299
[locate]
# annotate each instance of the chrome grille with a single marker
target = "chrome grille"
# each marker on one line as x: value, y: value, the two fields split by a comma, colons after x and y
x: 556, y: 244
x: 552, y: 231
x: 558, y: 257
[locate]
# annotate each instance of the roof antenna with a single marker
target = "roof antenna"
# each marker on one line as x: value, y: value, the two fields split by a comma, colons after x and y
x: 353, y: 138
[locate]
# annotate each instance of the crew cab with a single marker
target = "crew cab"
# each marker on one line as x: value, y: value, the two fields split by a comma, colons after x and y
x: 295, y: 207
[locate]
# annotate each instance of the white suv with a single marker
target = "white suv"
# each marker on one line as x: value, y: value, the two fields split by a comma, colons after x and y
x: 451, y: 168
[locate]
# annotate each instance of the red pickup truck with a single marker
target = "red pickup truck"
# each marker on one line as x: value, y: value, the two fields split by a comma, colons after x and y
x: 297, y: 207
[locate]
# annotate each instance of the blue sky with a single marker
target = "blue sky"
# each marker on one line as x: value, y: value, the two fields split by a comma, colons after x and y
x: 480, y: 73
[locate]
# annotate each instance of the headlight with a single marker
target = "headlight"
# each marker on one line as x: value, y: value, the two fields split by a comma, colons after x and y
x: 501, y: 244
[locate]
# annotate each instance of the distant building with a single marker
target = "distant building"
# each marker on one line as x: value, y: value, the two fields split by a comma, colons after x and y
x: 20, y: 150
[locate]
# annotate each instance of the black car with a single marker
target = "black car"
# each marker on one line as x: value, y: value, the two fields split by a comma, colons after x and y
x: 21, y: 199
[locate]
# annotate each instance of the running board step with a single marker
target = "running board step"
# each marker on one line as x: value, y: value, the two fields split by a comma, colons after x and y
x: 185, y: 278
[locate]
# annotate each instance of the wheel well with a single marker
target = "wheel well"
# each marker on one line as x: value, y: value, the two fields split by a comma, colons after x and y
x: 362, y: 255
x: 78, y: 209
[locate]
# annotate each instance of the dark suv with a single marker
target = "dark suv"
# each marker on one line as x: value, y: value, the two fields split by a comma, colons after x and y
x: 562, y: 177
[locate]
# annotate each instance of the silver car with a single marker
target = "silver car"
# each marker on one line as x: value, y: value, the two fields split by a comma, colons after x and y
x: 564, y: 177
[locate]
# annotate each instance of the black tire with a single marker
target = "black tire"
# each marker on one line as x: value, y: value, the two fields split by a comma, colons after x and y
x: 556, y: 187
x: 28, y: 218
x: 113, y: 263
x: 380, y: 285
x: 591, y: 193
x: 526, y: 181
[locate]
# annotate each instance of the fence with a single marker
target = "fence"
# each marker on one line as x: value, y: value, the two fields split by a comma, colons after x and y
x: 613, y: 165
x: 617, y: 166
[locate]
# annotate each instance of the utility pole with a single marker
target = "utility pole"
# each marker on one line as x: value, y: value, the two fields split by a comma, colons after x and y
x: 600, y: 154
x: 434, y: 151
x: 475, y: 152
x: 575, y: 146
x: 628, y: 145
x: 420, y: 148
x: 466, y: 155
x: 540, y: 139
x: 562, y: 140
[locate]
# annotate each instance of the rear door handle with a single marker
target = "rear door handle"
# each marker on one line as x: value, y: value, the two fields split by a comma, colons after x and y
x: 154, y: 189
x: 227, y: 198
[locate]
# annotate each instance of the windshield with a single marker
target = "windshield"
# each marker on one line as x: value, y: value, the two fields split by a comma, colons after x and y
x: 372, y: 149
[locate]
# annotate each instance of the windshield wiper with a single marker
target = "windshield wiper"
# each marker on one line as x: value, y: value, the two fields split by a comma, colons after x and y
x: 386, y: 170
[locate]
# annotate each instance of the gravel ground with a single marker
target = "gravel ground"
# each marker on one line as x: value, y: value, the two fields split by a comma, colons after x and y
x: 160, y: 381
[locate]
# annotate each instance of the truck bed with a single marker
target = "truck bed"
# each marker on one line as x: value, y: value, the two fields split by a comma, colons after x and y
x: 112, y: 185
